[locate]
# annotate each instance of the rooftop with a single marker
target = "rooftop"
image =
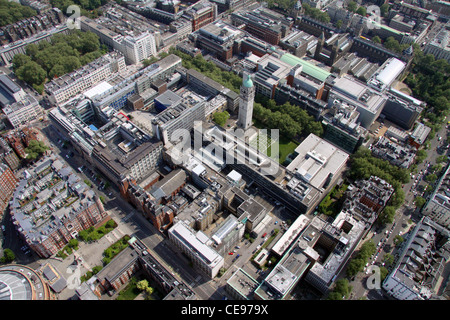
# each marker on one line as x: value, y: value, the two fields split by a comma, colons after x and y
x: 308, y: 67
x: 317, y: 160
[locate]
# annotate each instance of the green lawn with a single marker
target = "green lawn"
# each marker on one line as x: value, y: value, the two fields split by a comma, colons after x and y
x: 130, y: 292
x: 286, y: 146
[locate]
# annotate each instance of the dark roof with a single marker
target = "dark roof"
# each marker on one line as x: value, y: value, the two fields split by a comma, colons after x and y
x: 9, y: 84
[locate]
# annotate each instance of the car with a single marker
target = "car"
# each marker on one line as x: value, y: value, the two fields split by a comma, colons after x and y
x: 265, y: 234
x: 276, y: 222
x: 110, y: 194
x: 3, y: 228
x: 230, y: 253
x: 237, y: 247
x: 67, y: 156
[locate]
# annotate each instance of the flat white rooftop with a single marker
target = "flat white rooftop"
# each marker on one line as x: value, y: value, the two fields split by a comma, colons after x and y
x: 316, y: 160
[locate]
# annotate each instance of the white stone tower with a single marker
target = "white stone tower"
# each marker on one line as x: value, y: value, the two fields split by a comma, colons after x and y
x: 246, y: 100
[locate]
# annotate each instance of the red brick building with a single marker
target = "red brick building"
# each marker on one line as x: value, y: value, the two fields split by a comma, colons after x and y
x: 7, y: 185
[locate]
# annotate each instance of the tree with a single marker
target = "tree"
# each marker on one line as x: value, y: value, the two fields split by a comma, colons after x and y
x: 352, y: 6
x: 431, y: 178
x: 35, y: 149
x: 355, y: 266
x: 387, y: 216
x: 339, y: 24
x: 384, y: 9
x: 8, y: 256
x: 343, y: 288
x: 111, y: 224
x: 11, y: 12
x: 398, y: 240
x: 142, y: 285
x: 362, y: 11
x: 73, y: 243
x: 32, y: 73
x: 334, y: 296
x: 421, y: 155
x: 19, y: 60
x: 376, y: 39
x: 388, y: 259
x: 221, y: 118
x: 419, y: 202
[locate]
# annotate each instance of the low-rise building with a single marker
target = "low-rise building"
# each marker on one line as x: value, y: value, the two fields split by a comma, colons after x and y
x: 402, y: 156
x: 437, y: 207
x: 67, y: 86
x: 7, y: 186
x: 365, y: 199
x: 420, y: 266
x: 22, y: 112
x: 51, y: 205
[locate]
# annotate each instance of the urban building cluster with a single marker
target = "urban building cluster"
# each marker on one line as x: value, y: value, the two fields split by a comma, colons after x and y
x: 24, y: 29
x: 51, y: 204
x: 18, y: 106
x: 150, y: 131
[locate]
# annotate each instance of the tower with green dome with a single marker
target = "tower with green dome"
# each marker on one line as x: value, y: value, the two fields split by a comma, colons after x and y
x: 246, y: 100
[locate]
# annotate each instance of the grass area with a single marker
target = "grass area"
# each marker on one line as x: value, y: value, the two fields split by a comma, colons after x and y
x: 93, y: 234
x: 130, y: 292
x: 331, y: 205
x: 115, y: 249
x: 285, y: 146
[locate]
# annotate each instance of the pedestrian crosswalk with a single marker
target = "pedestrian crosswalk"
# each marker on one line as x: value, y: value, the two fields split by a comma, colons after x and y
x: 127, y: 217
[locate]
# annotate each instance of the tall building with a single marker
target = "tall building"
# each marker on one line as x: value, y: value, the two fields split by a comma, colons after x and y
x: 139, y: 47
x: 439, y: 47
x: 246, y: 101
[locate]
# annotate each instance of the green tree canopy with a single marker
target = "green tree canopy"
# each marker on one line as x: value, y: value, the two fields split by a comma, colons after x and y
x: 11, y: 12
x: 221, y: 118
x: 419, y: 202
x: 8, y: 256
x: 362, y: 11
x: 352, y: 6
x: 376, y: 39
x: 35, y: 149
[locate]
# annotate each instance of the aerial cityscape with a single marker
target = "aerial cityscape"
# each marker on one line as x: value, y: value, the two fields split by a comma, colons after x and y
x: 224, y: 150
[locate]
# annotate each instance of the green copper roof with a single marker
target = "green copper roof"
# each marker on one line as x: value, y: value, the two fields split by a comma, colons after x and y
x: 248, y: 83
x: 308, y: 68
